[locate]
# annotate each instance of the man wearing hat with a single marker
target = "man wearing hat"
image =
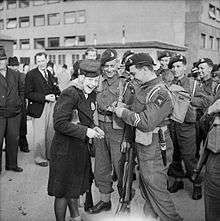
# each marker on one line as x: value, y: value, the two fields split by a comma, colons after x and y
x: 148, y: 115
x: 22, y: 143
x: 163, y: 58
x: 216, y: 77
x: 107, y: 152
x: 184, y: 134
x: 41, y: 91
x: 11, y: 91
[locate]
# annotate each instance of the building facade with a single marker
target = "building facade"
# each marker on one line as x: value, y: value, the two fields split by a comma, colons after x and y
x: 75, y: 24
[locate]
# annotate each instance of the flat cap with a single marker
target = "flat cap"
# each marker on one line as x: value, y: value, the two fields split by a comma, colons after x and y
x: 108, y: 55
x: 163, y: 54
x: 140, y: 58
x: 205, y: 60
x: 2, y: 54
x: 175, y: 59
x: 13, y: 61
x: 90, y: 68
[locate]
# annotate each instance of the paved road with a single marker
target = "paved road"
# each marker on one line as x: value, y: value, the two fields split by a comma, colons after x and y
x: 23, y: 196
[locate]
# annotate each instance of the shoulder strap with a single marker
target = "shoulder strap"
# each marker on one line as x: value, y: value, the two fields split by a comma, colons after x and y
x: 216, y: 88
x: 194, y: 87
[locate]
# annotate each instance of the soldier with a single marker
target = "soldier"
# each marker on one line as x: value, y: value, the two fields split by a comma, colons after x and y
x: 184, y: 135
x: 148, y: 115
x: 107, y: 153
x: 163, y: 58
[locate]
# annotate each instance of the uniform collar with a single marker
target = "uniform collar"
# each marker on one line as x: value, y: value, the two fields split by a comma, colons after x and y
x: 110, y: 81
x: 152, y: 82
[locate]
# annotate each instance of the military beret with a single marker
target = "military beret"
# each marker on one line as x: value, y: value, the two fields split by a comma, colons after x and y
x: 163, y: 54
x: 140, y: 58
x: 50, y: 64
x: 90, y: 68
x: 108, y: 55
x: 2, y: 54
x: 216, y: 70
x: 175, y: 59
x: 126, y: 55
x: 205, y: 60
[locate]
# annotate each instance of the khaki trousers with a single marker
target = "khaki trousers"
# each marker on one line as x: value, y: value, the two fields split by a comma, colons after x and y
x: 43, y: 133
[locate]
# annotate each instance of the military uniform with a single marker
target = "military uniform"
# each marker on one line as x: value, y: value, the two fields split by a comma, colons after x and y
x: 184, y: 134
x: 108, y: 149
x: 148, y: 115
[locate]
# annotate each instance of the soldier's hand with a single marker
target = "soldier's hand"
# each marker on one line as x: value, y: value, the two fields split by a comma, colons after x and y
x: 100, y: 131
x: 118, y: 111
x: 50, y: 98
x: 125, y: 146
x: 214, y: 108
x: 91, y: 133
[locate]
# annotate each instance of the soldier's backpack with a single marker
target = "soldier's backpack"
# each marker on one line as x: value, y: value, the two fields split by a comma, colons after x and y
x: 180, y: 100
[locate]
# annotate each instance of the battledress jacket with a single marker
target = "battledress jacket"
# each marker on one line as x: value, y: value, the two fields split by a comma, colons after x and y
x: 70, y: 165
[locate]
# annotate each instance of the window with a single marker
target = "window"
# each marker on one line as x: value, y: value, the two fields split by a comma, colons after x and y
x: 70, y: 41
x: 24, y: 44
x: 52, y: 1
x: 75, y: 57
x: 82, y: 40
x: 25, y: 60
x: 24, y: 3
x: 11, y: 23
x: 24, y: 22
x: 212, y: 12
x: 53, y: 42
x: 211, y: 42
x: 217, y: 14
x: 39, y: 20
x: 1, y: 4
x: 203, y: 41
x: 53, y: 19
x: 39, y: 43
x: 218, y: 44
x: 38, y: 2
x: 11, y: 4
x: 52, y: 58
x: 81, y: 16
x: 69, y: 17
x: 15, y: 45
x: 61, y: 59
x: 1, y: 24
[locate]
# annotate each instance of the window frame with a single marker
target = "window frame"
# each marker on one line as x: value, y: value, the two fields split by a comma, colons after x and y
x: 39, y: 39
x: 50, y: 15
x: 20, y: 43
x: 53, y: 38
x: 11, y: 19
x: 19, y: 21
x: 38, y: 16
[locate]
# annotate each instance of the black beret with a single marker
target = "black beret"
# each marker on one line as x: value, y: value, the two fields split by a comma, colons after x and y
x: 140, y: 58
x: 175, y: 59
x: 126, y: 55
x: 205, y: 60
x: 163, y: 54
x: 2, y: 54
x: 50, y: 64
x: 108, y: 55
x: 90, y: 68
x: 216, y: 70
x: 13, y: 61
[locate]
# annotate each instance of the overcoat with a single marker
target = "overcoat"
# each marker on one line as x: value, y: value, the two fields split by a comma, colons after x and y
x: 70, y: 165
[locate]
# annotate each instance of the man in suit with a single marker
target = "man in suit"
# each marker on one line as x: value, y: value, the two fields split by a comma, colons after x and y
x: 41, y: 91
x: 22, y: 143
x: 11, y: 90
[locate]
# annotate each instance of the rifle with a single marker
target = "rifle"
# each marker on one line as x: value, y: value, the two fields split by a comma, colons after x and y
x: 204, y: 153
x: 126, y: 166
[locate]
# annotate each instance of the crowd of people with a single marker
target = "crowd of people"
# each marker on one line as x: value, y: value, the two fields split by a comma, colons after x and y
x: 107, y: 104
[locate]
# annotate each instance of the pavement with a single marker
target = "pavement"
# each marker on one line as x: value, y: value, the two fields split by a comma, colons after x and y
x: 23, y: 196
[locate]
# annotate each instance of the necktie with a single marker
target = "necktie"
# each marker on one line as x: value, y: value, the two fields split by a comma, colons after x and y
x: 46, y: 75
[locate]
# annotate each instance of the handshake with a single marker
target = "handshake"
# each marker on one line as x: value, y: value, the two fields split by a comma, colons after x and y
x: 95, y: 132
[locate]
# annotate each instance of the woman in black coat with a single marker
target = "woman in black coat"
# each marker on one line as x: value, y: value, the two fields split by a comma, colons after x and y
x: 70, y: 164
